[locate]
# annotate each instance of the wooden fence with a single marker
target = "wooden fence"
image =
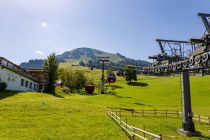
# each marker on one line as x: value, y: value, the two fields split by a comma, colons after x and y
x: 132, y: 131
x: 167, y: 113
x: 201, y: 119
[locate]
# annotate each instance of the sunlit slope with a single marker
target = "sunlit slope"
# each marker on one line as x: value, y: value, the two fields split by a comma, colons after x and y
x: 43, y: 116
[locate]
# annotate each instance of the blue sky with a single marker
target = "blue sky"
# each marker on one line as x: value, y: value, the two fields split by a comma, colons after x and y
x: 35, y: 28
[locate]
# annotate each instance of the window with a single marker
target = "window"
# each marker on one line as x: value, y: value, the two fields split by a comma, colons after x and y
x: 9, y: 79
x: 34, y: 86
x: 22, y: 82
x: 41, y: 86
x: 26, y: 84
x: 30, y: 86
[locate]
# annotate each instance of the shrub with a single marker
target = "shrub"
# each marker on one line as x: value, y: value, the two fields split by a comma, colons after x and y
x: 130, y: 73
x: 74, y: 80
x: 80, y: 80
x: 65, y: 90
x: 90, y: 81
x: 3, y: 86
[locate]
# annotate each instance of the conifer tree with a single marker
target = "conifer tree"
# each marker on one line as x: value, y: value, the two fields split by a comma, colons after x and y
x: 50, y: 68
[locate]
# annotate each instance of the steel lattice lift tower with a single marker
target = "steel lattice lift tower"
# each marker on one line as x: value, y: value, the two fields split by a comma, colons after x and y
x: 183, y: 57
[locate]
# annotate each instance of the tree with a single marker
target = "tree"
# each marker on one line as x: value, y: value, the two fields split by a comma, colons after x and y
x: 130, y: 73
x: 110, y: 71
x: 81, y: 63
x: 67, y: 76
x: 74, y: 80
x: 50, y: 68
x: 80, y: 80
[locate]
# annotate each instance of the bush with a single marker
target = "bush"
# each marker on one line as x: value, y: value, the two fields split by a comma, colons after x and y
x: 130, y: 73
x: 90, y: 81
x: 3, y: 86
x: 74, y: 80
x: 65, y: 90
x: 79, y: 80
x: 62, y: 90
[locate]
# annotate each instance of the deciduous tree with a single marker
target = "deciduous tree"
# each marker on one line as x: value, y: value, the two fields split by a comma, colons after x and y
x: 130, y: 73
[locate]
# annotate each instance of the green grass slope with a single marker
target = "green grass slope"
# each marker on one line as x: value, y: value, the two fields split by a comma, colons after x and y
x: 43, y: 116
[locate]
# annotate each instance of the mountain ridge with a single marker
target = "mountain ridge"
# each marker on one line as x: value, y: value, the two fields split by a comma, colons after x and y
x: 86, y: 55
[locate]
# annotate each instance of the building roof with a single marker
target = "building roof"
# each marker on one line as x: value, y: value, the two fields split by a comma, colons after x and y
x: 17, y: 69
x: 34, y: 69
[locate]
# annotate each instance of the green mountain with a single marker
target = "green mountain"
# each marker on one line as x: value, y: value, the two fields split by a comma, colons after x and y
x: 87, y: 55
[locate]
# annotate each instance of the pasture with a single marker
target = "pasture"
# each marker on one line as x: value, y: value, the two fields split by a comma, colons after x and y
x: 43, y: 116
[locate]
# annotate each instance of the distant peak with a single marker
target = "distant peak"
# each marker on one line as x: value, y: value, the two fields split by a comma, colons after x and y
x: 85, y: 54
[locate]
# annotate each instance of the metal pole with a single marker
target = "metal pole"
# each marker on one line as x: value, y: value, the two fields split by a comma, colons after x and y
x: 103, y: 60
x: 102, y: 79
x: 187, y: 123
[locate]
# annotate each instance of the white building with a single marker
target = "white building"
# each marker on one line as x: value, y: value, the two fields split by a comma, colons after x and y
x: 17, y: 78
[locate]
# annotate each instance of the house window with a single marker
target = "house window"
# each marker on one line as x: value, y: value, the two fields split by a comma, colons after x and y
x: 9, y: 79
x: 26, y: 84
x: 34, y: 86
x: 41, y: 86
x: 30, y: 86
x: 22, y: 82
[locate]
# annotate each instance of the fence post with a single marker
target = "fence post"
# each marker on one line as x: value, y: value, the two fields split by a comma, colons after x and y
x: 142, y: 112
x: 133, y: 132
x: 120, y: 116
x: 154, y: 112
x: 120, y: 120
x: 113, y: 116
x: 120, y: 113
x: 144, y: 130
x: 209, y: 120
x: 126, y: 121
x: 132, y: 111
x: 178, y: 113
x: 166, y: 113
x: 161, y: 137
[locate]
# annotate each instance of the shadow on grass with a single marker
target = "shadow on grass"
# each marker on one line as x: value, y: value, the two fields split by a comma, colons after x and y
x: 204, y: 137
x: 140, y: 104
x: 116, y: 86
x: 83, y: 92
x: 118, y: 96
x: 138, y: 84
x: 6, y: 94
x: 56, y: 95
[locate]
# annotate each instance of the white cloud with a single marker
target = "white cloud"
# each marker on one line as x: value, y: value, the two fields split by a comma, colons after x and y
x: 44, y: 24
x: 39, y: 52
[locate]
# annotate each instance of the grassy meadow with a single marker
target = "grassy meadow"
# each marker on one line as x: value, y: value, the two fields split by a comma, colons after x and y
x: 26, y: 115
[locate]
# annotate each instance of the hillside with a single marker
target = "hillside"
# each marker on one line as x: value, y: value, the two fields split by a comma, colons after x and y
x: 43, y: 116
x: 85, y: 55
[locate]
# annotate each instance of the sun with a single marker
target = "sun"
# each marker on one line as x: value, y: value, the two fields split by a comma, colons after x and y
x: 44, y: 24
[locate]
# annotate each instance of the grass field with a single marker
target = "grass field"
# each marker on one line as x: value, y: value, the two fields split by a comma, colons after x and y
x: 42, y: 116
